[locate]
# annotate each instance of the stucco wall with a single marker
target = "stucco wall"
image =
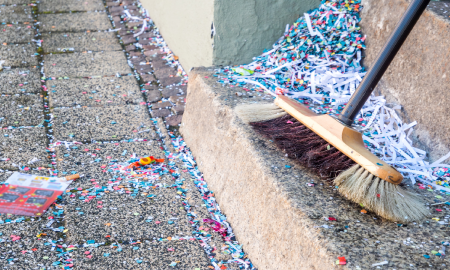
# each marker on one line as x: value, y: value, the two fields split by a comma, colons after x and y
x: 419, y: 77
x: 186, y: 27
x: 245, y: 28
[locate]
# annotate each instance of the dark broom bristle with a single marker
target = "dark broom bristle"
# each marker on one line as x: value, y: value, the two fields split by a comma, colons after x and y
x: 304, y: 146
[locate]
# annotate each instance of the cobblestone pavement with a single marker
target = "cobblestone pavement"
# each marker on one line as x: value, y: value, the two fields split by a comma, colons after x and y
x: 79, y: 93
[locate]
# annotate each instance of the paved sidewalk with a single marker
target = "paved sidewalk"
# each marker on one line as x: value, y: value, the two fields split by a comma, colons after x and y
x: 79, y: 94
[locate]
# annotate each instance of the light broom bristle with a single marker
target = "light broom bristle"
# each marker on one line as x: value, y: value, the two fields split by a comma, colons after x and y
x: 385, y: 199
x: 250, y: 113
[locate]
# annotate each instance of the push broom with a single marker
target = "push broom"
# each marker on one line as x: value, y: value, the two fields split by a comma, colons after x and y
x: 333, y: 149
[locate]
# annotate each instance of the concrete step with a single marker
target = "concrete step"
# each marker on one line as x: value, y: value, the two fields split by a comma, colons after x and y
x: 419, y: 77
x: 283, y: 220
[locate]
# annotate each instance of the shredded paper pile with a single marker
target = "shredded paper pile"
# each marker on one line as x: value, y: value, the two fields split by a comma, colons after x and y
x: 317, y: 62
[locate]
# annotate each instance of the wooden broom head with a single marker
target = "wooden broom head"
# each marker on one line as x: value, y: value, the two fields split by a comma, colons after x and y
x: 345, y: 139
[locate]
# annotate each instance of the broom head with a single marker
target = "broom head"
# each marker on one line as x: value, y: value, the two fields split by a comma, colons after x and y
x: 370, y: 181
x: 345, y: 139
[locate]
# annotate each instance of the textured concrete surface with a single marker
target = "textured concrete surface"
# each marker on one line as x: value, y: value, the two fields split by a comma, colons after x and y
x: 154, y: 255
x: 128, y: 216
x: 419, y: 76
x: 80, y: 42
x: 86, y: 64
x: 88, y: 159
x: 106, y: 91
x: 12, y: 33
x: 14, y: 14
x: 74, y: 22
x: 273, y: 211
x: 111, y: 123
x: 25, y: 146
x: 20, y: 80
x: 22, y: 110
x: 18, y: 55
x: 73, y: 5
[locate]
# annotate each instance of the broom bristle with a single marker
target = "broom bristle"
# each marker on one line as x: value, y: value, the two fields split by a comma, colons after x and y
x: 385, y: 199
x: 310, y: 150
x: 304, y: 146
x: 259, y: 112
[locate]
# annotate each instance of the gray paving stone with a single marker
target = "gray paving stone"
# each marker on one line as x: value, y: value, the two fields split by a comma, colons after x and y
x: 159, y: 63
x: 127, y: 216
x: 136, y: 13
x: 14, y: 2
x: 174, y: 120
x: 149, y: 47
x: 72, y: 5
x: 153, y: 255
x: 161, y: 105
x: 23, y: 146
x: 86, y: 64
x: 160, y: 113
x: 117, y: 21
x: 168, y: 92
x: 138, y: 58
x: 116, y: 8
x: 74, y: 22
x: 123, y: 31
x: 18, y: 55
x: 36, y: 248
x: 88, y: 159
x: 135, y: 24
x: 112, y: 3
x: 153, y: 95
x: 129, y: 2
x: 20, y: 80
x: 167, y: 81
x: 149, y: 86
x: 148, y: 78
x: 94, y: 92
x: 152, y: 53
x: 132, y: 6
x: 16, y: 33
x: 128, y: 39
x: 80, y: 42
x: 177, y: 99
x: 10, y: 14
x: 178, y: 109
x: 130, y: 48
x: 143, y: 69
x: 133, y: 54
x: 21, y: 110
x: 110, y: 123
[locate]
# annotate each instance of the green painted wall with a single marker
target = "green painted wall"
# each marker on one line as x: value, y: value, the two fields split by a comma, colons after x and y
x: 245, y: 28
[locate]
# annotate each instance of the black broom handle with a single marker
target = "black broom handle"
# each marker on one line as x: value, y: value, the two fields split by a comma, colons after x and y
x: 383, y: 61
